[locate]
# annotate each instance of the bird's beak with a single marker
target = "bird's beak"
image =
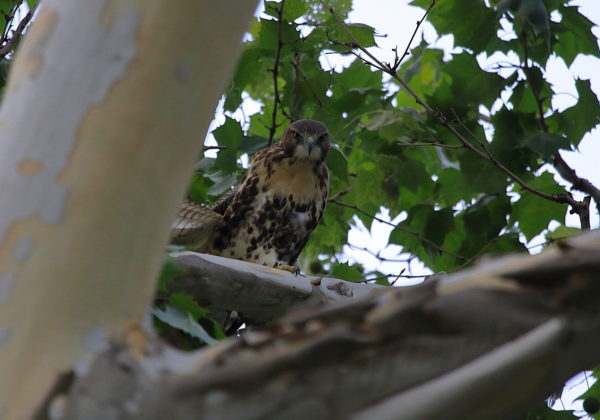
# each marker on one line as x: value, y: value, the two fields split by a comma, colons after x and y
x: 310, y: 147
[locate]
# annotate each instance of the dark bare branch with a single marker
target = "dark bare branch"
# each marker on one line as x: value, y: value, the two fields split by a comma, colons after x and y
x: 582, y: 208
x: 10, y: 42
x: 398, y: 60
x: 275, y: 71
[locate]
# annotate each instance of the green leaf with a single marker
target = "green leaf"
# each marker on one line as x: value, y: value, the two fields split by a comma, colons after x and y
x: 448, y: 17
x: 268, y: 34
x: 229, y: 134
x: 562, y: 232
x: 382, y: 118
x: 508, y: 145
x: 482, y: 175
x: 6, y: 5
x: 364, y: 34
x: 544, y: 144
x: 198, y: 188
x: 295, y: 9
x: 466, y: 87
x: 424, y: 73
x: 523, y: 97
x: 431, y: 227
x: 534, y: 213
x: 483, y: 221
x: 575, y: 35
x: 331, y: 234
x: 252, y: 144
x: 583, y: 116
x: 249, y: 69
x: 452, y: 187
x: 168, y: 272
x: 505, y: 243
x: 183, y: 322
x: 531, y: 11
x: 593, y: 391
x: 221, y: 182
x: 337, y: 163
x: 186, y: 303
x: 346, y: 272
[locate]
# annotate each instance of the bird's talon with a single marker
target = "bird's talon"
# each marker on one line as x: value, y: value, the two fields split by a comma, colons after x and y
x: 294, y: 269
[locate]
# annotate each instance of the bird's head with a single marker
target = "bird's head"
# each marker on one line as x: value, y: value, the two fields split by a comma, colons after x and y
x: 306, y: 140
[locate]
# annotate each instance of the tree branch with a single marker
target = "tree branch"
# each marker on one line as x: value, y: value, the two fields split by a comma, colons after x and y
x: 448, y: 146
x: 275, y: 71
x: 582, y: 208
x: 260, y: 293
x: 443, y: 120
x: 9, y: 43
x: 402, y: 228
x: 398, y: 60
x: 519, y: 319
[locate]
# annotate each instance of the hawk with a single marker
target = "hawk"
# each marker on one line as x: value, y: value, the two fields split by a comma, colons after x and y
x: 268, y: 218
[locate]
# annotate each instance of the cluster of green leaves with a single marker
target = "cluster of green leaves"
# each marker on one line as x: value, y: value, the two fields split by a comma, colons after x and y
x: 180, y: 320
x: 458, y: 206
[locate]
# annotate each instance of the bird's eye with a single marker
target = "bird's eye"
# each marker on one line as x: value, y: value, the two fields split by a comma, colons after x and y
x: 297, y: 136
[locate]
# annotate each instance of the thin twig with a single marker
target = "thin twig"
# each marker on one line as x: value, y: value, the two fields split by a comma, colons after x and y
x: 580, y: 184
x: 379, y: 257
x: 565, y: 198
x: 398, y: 60
x: 299, y: 74
x: 448, y: 146
x: 340, y: 194
x: 527, y: 71
x: 396, y: 277
x: 402, y: 228
x: 9, y: 46
x: 205, y: 148
x: 477, y: 255
x: 582, y: 208
x: 275, y: 71
x: 8, y: 18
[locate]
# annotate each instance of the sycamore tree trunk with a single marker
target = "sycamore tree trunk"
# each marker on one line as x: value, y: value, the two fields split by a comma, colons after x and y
x: 103, y: 118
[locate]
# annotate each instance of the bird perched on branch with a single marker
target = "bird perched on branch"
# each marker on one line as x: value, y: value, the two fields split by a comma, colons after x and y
x: 268, y: 218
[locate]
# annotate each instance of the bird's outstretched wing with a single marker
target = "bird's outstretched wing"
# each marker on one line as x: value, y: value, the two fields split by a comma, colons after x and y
x: 195, y: 225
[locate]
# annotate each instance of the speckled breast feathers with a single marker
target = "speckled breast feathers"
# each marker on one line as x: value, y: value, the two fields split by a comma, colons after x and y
x: 281, y: 200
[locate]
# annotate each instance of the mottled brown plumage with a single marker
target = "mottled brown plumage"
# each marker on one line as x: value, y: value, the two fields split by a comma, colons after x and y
x: 269, y: 216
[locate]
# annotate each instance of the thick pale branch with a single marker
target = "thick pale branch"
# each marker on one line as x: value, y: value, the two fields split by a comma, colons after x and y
x: 105, y: 101
x: 260, y: 293
x: 509, y: 332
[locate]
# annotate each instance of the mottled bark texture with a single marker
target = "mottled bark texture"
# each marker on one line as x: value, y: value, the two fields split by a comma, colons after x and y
x: 490, y: 343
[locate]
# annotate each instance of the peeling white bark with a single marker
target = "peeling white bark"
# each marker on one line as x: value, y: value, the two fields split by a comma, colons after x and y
x: 489, y: 343
x: 105, y: 111
x: 260, y: 293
